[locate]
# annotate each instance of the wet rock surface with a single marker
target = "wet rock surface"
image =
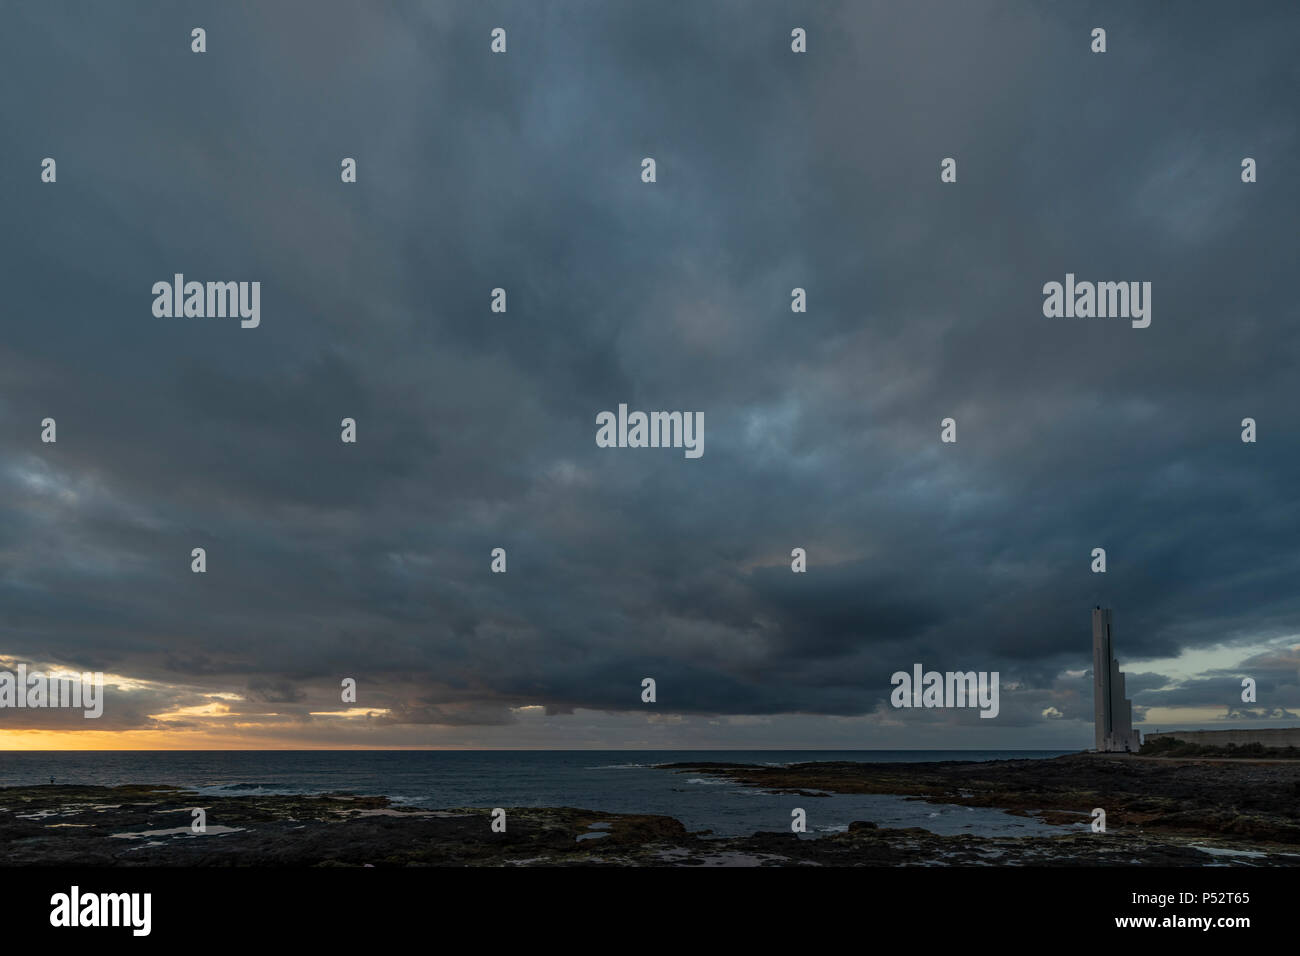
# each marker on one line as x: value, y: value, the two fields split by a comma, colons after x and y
x: 1159, y: 813
x: 1250, y: 803
x: 151, y: 826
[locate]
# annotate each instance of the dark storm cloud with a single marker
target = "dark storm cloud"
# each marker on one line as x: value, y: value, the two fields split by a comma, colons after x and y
x: 476, y: 430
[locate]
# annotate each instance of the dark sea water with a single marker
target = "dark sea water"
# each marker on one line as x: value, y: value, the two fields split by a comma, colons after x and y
x: 620, y: 781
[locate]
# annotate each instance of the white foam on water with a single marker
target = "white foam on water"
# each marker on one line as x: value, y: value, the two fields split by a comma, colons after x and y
x: 1223, y: 851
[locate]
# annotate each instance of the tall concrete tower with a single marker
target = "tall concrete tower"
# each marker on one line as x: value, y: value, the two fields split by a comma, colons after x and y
x: 1112, y: 713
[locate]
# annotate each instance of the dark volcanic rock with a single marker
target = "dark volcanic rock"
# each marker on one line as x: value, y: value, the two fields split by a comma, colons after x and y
x: 1158, y: 813
x: 1257, y: 801
x: 143, y: 825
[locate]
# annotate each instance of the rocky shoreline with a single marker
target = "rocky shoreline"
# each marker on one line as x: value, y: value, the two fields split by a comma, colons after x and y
x: 1158, y: 813
x: 1242, y: 805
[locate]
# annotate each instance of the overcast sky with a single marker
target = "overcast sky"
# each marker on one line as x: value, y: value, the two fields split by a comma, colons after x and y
x: 476, y: 430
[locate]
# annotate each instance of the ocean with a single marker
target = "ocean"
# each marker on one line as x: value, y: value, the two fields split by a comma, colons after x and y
x: 618, y: 781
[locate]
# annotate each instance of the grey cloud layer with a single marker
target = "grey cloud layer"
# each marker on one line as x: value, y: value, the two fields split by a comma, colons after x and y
x: 477, y: 430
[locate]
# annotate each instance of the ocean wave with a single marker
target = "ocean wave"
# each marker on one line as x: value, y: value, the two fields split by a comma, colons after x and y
x: 264, y: 789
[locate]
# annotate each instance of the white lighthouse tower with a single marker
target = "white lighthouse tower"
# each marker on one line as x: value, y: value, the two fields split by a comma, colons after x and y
x: 1112, y: 711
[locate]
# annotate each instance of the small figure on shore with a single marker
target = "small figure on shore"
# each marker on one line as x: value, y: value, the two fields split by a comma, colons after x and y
x: 51, y: 780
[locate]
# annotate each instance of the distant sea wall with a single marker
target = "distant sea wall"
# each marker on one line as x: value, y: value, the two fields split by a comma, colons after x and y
x: 1273, y: 737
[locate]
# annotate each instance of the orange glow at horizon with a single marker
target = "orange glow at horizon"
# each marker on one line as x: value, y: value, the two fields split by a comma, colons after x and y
x: 22, y: 740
